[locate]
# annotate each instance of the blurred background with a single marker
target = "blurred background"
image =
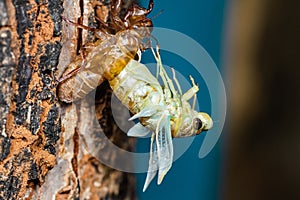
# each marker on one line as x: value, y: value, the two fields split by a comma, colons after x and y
x: 262, y: 149
x: 255, y: 46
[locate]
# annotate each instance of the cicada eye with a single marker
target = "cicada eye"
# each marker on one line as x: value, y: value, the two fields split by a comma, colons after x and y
x: 197, y: 124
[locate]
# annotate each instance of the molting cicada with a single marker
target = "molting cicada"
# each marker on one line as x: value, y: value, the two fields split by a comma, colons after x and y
x: 162, y: 110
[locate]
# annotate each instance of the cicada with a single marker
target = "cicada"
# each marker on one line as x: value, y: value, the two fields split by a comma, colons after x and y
x: 161, y: 109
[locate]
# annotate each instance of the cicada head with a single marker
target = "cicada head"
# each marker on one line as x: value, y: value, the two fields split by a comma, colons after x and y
x: 193, y: 123
x: 201, y: 122
x: 144, y: 35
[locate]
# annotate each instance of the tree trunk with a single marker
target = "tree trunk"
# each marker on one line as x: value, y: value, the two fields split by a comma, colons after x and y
x: 43, y: 142
x: 263, y: 161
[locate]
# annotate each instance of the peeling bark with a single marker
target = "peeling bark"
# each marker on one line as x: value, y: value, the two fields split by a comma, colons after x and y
x: 43, y: 149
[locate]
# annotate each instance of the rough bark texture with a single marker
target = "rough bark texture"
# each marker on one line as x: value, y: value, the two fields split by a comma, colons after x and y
x: 264, y: 144
x: 42, y: 150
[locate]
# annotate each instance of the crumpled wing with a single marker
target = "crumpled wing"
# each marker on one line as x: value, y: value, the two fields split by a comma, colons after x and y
x: 161, y: 152
x: 146, y: 112
x: 153, y: 162
x: 165, y: 148
x: 138, y: 130
x: 143, y: 75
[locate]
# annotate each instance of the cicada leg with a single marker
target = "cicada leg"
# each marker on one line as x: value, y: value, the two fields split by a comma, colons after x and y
x: 74, y: 71
x: 116, y: 21
x: 195, y: 96
x: 168, y: 83
x: 176, y: 81
x: 79, y: 25
x: 70, y: 74
x: 138, y: 15
x: 101, y: 34
x: 137, y: 11
x: 106, y: 25
x: 191, y: 92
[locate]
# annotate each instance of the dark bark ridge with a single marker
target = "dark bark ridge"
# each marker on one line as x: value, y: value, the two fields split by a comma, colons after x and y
x: 33, y: 123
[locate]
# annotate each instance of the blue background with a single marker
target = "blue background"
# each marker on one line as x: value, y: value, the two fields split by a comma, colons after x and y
x: 190, y: 177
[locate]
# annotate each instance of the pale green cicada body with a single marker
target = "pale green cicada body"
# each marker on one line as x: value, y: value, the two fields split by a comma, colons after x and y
x: 164, y: 111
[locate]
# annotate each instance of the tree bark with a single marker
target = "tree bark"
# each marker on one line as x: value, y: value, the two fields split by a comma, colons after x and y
x: 43, y: 152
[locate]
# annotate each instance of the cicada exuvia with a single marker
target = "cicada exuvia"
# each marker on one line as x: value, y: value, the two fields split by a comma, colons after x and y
x: 109, y: 55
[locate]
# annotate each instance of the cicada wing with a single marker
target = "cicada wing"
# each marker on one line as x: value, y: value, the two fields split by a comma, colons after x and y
x: 143, y: 75
x: 147, y: 112
x: 138, y: 130
x: 165, y: 149
x: 153, y: 163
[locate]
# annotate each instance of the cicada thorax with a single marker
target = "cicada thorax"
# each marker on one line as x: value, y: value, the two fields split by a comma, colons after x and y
x: 104, y: 62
